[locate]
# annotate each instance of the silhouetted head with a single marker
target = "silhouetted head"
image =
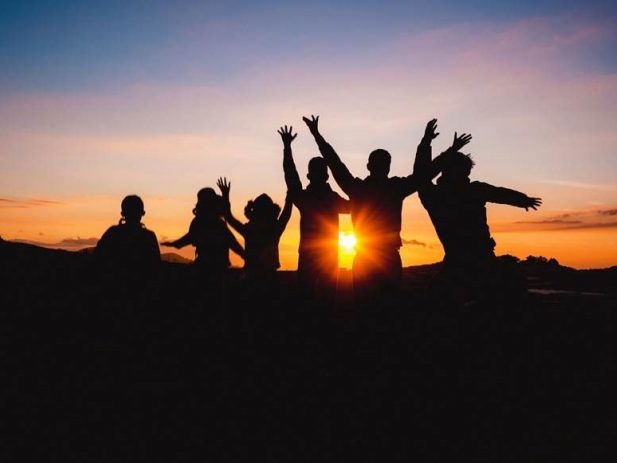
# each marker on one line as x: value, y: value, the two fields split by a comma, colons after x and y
x: 262, y: 208
x: 208, y: 202
x: 456, y: 166
x: 379, y: 163
x: 132, y: 209
x: 317, y: 170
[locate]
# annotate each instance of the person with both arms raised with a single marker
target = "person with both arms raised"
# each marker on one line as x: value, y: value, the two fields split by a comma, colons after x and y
x: 319, y: 208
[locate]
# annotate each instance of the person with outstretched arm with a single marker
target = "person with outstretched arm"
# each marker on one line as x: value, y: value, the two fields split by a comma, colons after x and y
x: 457, y: 208
x: 262, y: 232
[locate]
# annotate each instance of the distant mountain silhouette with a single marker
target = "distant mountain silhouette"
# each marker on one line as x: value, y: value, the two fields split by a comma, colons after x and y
x: 171, y: 257
x: 174, y: 258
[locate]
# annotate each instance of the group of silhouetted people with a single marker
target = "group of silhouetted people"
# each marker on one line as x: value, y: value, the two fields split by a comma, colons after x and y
x: 455, y: 204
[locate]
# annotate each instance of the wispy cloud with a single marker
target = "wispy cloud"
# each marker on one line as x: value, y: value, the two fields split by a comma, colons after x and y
x: 572, y: 220
x: 413, y: 242
x: 609, y: 212
x: 592, y: 225
x: 550, y: 221
x: 27, y: 202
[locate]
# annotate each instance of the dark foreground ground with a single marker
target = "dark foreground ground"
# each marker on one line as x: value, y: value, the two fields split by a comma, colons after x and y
x: 105, y: 368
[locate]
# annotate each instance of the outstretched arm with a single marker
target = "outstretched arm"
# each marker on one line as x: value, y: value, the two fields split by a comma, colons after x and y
x: 292, y: 179
x: 225, y: 188
x: 502, y: 195
x: 180, y: 242
x: 339, y: 170
x: 235, y: 245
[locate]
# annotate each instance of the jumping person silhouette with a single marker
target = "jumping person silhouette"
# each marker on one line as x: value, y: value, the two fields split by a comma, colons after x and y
x: 129, y: 245
x: 457, y: 208
x: 376, y: 207
x: 262, y: 233
x: 209, y: 233
x: 319, y: 208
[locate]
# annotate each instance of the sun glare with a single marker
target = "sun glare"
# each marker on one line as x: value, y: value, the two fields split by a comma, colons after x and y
x: 347, y: 242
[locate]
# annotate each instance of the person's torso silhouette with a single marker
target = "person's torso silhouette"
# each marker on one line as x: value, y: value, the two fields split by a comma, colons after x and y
x: 262, y: 232
x: 319, y: 208
x: 458, y: 213
x: 376, y: 210
x: 210, y: 235
x: 129, y: 245
x: 457, y: 208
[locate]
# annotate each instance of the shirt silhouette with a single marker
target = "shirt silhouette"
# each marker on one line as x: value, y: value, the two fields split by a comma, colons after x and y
x: 319, y: 208
x: 129, y: 245
x: 209, y: 233
x: 262, y: 232
x: 457, y: 208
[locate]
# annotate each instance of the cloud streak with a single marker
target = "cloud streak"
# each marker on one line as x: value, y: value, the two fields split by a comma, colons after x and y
x: 22, y: 203
x: 573, y: 220
x: 413, y: 242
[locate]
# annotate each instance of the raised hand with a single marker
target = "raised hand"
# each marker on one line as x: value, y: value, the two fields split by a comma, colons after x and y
x: 460, y: 141
x: 224, y: 186
x: 312, y: 123
x: 286, y: 134
x: 533, y: 203
x: 430, y: 132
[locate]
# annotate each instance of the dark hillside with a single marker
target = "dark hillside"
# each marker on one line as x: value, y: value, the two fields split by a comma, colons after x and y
x: 110, y: 366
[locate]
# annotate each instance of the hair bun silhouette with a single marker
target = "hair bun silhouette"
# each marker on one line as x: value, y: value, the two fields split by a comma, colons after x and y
x: 208, y: 201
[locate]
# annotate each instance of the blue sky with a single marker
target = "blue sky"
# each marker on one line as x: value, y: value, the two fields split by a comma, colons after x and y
x: 71, y: 46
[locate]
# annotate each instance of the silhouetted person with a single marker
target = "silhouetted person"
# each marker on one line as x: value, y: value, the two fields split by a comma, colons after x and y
x: 376, y: 207
x: 457, y: 208
x: 262, y: 233
x: 209, y: 233
x: 319, y: 208
x: 129, y: 245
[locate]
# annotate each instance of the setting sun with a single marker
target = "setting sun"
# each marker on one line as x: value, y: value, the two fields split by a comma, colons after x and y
x: 347, y: 242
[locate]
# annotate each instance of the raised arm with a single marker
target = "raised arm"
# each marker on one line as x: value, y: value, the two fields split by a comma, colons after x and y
x: 285, y: 214
x: 235, y: 245
x: 292, y: 179
x: 502, y: 195
x: 339, y: 171
x: 225, y: 188
x: 421, y: 175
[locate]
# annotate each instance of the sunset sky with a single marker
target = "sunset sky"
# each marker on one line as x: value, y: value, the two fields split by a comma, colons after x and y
x: 101, y: 100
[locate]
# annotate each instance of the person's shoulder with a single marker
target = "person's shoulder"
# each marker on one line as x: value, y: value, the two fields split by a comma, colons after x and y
x: 149, y: 233
x: 112, y: 231
x: 480, y: 186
